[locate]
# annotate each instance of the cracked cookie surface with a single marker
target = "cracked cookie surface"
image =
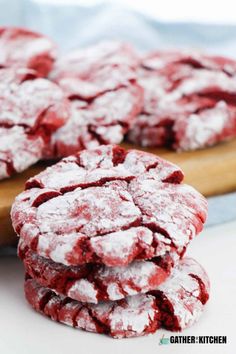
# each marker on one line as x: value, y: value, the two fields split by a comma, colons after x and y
x: 26, y: 49
x: 189, y: 101
x: 31, y: 109
x: 100, y: 82
x: 103, y: 120
x: 175, y: 305
x: 109, y: 206
x: 86, y: 73
x: 95, y: 282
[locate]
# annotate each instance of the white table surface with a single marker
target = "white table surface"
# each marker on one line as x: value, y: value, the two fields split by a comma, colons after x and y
x: 23, y: 331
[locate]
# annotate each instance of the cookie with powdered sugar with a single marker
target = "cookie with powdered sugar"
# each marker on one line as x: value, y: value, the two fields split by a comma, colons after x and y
x: 176, y: 304
x: 103, y: 120
x: 158, y: 60
x: 95, y: 282
x: 189, y: 101
x: 100, y: 82
x: 88, y: 72
x: 22, y: 48
x: 110, y: 206
x: 31, y: 109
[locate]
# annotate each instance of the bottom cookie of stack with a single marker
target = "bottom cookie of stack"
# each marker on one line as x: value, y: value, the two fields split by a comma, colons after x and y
x: 175, y: 304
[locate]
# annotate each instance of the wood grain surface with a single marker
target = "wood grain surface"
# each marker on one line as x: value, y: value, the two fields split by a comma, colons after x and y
x: 212, y: 171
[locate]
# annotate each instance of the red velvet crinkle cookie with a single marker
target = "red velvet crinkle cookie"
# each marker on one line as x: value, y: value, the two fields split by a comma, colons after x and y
x: 100, y: 82
x: 176, y: 304
x: 104, y: 120
x: 96, y: 282
x: 88, y: 72
x: 189, y: 101
x: 109, y: 206
x: 31, y: 109
x: 158, y: 60
x: 130, y: 317
x: 23, y: 48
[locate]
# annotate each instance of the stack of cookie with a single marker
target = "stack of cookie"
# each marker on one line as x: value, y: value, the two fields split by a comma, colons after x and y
x: 103, y: 235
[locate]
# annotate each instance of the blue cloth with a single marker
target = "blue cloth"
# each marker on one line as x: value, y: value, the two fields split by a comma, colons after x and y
x: 73, y: 25
x: 222, y: 209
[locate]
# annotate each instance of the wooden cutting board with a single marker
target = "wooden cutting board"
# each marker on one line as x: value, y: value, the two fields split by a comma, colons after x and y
x: 212, y: 171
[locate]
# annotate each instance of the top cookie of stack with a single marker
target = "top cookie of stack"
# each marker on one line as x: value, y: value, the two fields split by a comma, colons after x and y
x: 117, y: 205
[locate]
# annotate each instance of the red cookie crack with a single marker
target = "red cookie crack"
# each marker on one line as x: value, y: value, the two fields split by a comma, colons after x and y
x: 182, y: 297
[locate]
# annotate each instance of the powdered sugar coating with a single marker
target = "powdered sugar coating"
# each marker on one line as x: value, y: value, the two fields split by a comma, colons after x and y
x: 103, y: 67
x: 158, y: 60
x: 23, y: 48
x: 189, y: 101
x: 30, y: 110
x: 29, y: 101
x: 101, y: 201
x: 206, y: 128
x: 103, y: 77
x: 186, y: 290
x: 12, y: 141
x: 130, y: 317
x: 183, y: 294
x: 160, y: 206
x: 106, y: 119
x: 93, y: 283
x: 94, y: 167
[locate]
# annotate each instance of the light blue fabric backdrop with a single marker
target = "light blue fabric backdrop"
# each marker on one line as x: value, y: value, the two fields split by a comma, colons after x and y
x: 73, y: 25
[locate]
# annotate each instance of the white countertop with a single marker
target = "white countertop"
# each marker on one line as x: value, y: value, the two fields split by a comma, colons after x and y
x: 23, y: 331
